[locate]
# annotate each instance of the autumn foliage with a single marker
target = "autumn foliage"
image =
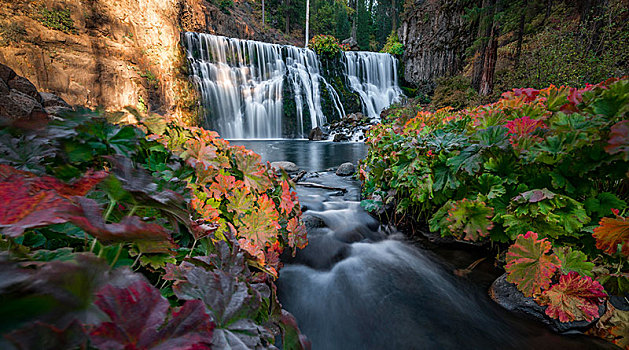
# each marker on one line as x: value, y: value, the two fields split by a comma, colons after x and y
x: 174, y: 237
x: 542, y: 174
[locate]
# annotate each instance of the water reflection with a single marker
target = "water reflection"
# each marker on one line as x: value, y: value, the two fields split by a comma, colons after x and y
x: 308, y: 155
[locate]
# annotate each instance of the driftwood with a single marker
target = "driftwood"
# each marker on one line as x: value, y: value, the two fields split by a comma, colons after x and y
x: 299, y: 176
x: 315, y: 185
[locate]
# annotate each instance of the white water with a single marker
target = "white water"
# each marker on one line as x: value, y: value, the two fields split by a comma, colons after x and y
x: 243, y: 83
x: 373, y: 76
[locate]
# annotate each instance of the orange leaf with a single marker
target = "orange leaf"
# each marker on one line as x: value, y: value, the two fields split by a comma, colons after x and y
x: 612, y: 233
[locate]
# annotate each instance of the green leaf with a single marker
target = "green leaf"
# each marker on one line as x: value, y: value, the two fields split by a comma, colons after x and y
x: 574, y: 260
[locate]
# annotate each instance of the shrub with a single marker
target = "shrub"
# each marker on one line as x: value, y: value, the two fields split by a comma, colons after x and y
x: 455, y: 92
x: 393, y: 45
x: 172, y: 226
x: 542, y: 172
x: 326, y: 46
x: 56, y: 19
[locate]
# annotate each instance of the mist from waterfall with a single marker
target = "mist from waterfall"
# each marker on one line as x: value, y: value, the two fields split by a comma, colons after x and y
x: 244, y: 83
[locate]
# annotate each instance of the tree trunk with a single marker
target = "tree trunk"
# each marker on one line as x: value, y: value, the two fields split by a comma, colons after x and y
x: 307, y: 21
x: 263, y: 23
x: 489, y: 66
x: 518, y: 50
x: 549, y: 6
x: 485, y: 24
x: 354, y: 22
x: 393, y: 16
x: 287, y: 19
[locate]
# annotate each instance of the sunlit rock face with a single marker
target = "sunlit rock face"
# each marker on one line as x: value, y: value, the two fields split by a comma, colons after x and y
x: 257, y: 90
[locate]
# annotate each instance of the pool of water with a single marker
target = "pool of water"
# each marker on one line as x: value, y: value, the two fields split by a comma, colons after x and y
x: 308, y: 155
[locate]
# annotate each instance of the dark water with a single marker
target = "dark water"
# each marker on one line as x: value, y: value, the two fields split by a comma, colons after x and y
x: 358, y: 285
x: 308, y: 155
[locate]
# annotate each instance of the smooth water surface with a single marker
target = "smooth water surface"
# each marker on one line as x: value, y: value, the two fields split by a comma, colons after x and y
x: 308, y: 155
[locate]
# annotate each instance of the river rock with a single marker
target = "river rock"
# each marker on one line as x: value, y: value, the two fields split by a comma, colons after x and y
x: 509, y: 297
x: 316, y: 134
x: 52, y: 100
x: 289, y: 167
x: 312, y: 221
x: 346, y: 169
x: 340, y: 137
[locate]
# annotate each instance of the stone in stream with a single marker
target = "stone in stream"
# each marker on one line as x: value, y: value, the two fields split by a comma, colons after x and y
x: 316, y: 134
x: 346, y: 169
x: 509, y: 297
x: 289, y: 167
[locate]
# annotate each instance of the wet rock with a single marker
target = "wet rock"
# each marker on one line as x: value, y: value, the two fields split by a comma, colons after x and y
x: 340, y: 137
x: 355, y: 117
x: 289, y: 167
x: 346, y: 169
x: 24, y: 86
x: 509, y: 297
x: 312, y: 221
x: 316, y: 134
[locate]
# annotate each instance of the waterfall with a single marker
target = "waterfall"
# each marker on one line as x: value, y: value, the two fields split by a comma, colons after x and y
x: 248, y: 88
x: 373, y: 76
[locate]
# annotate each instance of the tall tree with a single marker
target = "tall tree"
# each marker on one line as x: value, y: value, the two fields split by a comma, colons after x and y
x: 307, y: 21
x: 485, y: 25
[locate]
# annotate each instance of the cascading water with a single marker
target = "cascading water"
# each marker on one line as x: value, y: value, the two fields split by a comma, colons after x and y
x: 245, y: 84
x: 373, y: 76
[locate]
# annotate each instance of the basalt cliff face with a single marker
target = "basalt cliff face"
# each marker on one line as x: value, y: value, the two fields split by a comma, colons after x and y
x: 116, y: 53
x: 435, y: 35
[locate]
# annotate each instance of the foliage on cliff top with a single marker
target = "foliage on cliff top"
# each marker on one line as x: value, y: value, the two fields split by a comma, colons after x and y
x: 551, y: 161
x: 84, y: 202
x: 393, y: 45
x: 326, y: 46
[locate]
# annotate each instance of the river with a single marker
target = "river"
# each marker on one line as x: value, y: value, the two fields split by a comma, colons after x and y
x: 360, y: 285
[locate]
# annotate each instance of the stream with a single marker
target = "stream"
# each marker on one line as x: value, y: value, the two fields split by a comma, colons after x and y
x: 360, y: 285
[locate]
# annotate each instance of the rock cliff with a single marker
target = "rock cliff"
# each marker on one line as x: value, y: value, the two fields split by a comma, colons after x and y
x: 435, y: 35
x: 118, y: 53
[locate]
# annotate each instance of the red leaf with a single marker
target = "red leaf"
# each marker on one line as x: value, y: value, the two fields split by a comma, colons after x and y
x: 28, y: 201
x: 619, y: 140
x: 612, y: 233
x: 259, y: 228
x: 222, y: 185
x: 528, y: 264
x: 139, y: 319
x: 286, y: 204
x: 150, y: 238
x: 574, y: 298
x: 254, y: 174
x: 297, y: 235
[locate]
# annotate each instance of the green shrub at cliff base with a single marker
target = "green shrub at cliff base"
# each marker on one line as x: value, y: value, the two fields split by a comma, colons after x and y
x: 187, y: 230
x: 552, y: 161
x: 393, y: 45
x: 326, y: 46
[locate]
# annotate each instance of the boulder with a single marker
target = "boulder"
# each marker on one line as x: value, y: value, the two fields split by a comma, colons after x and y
x: 340, y: 137
x: 6, y: 73
x: 346, y: 169
x: 312, y: 221
x: 509, y: 297
x: 316, y: 134
x: 353, y: 44
x: 16, y: 105
x: 289, y: 167
x: 355, y: 117
x: 24, y: 86
x: 52, y: 100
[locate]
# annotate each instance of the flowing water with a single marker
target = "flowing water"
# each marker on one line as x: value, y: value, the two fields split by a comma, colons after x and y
x: 248, y: 87
x: 358, y: 285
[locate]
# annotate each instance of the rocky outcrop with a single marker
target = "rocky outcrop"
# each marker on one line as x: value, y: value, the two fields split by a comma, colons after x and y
x: 21, y: 103
x: 118, y: 53
x: 509, y: 297
x: 435, y: 36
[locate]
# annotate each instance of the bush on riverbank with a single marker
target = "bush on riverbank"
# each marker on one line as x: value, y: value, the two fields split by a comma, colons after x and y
x: 542, y: 172
x: 116, y: 239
